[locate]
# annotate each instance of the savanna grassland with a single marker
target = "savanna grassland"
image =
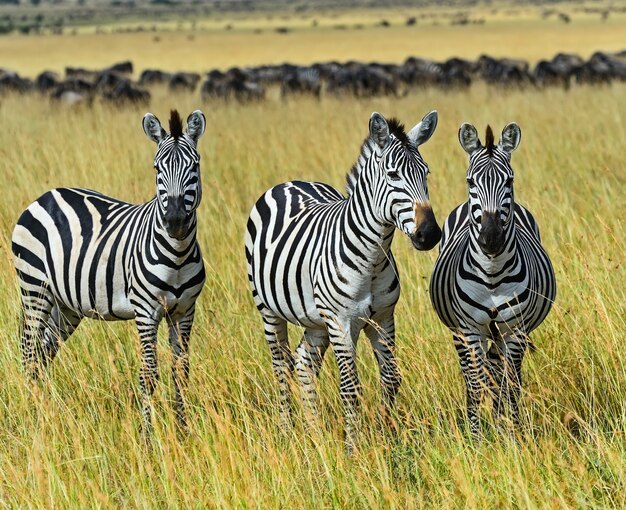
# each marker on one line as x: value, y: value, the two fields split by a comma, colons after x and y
x: 75, y: 441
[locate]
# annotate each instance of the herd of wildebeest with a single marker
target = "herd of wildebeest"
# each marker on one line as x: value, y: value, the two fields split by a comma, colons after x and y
x: 115, y: 84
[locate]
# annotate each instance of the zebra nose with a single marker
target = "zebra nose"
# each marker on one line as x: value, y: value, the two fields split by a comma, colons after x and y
x: 427, y: 234
x: 176, y: 219
x: 491, y: 237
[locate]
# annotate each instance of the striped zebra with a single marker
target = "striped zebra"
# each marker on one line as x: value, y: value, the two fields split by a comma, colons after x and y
x: 79, y: 253
x: 323, y: 262
x: 493, y: 283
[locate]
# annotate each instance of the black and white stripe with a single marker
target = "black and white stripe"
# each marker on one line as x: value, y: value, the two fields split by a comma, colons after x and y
x: 493, y: 282
x: 322, y: 261
x: 79, y: 253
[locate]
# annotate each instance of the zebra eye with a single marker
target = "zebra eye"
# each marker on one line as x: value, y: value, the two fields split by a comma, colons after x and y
x: 471, y: 182
x: 394, y: 175
x: 509, y: 182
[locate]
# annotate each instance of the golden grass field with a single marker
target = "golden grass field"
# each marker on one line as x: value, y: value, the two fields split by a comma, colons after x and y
x: 74, y: 442
x: 203, y: 44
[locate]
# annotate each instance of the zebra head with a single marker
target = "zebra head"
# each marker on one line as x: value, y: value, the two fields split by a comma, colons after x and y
x: 490, y: 181
x: 403, y: 197
x: 177, y: 163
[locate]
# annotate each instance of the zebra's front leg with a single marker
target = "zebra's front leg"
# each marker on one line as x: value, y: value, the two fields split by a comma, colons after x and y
x: 383, y: 339
x: 343, y: 341
x: 471, y: 349
x: 282, y: 363
x: 179, y: 334
x: 148, y: 375
x: 497, y: 376
x: 308, y: 362
x: 515, y: 348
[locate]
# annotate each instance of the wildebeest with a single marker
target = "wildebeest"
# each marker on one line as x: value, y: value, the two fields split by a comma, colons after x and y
x: 125, y: 92
x: 10, y: 81
x: 234, y: 84
x: 503, y: 71
x: 46, y: 81
x: 557, y: 71
x: 184, y: 82
x: 154, y: 77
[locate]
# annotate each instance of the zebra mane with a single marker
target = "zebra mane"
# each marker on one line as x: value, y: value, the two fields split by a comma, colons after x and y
x: 176, y: 125
x: 489, y: 140
x: 396, y: 128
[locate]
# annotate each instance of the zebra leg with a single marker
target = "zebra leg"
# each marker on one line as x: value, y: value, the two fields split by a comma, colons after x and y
x: 497, y: 382
x: 471, y: 350
x: 383, y: 339
x: 62, y: 323
x: 37, y: 302
x: 343, y: 341
x: 515, y: 348
x: 308, y: 362
x: 282, y: 363
x: 148, y: 375
x: 179, y: 333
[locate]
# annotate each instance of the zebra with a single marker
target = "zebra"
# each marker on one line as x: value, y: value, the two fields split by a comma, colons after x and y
x: 79, y: 253
x: 493, y: 283
x: 323, y: 261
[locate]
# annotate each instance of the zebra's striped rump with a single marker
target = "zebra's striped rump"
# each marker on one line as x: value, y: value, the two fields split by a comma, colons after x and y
x: 323, y: 261
x: 493, y: 282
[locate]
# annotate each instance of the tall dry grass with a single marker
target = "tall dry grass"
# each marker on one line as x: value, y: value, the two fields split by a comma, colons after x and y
x: 75, y: 442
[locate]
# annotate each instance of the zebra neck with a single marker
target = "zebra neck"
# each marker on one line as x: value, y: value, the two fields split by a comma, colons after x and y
x: 499, y: 264
x: 362, y: 224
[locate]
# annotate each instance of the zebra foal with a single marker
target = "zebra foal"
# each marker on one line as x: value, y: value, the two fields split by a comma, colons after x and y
x: 324, y: 262
x: 79, y: 254
x: 493, y: 282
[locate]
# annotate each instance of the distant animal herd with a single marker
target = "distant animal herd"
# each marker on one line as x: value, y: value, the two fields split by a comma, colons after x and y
x: 244, y: 84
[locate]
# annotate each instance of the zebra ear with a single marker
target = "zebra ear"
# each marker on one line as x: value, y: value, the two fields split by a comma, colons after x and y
x: 379, y: 129
x: 468, y: 137
x: 511, y: 136
x: 152, y: 128
x: 422, y: 132
x: 196, y: 124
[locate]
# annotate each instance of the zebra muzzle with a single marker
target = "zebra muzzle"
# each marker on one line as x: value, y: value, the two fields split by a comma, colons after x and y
x: 176, y: 220
x: 427, y: 234
x: 491, y: 237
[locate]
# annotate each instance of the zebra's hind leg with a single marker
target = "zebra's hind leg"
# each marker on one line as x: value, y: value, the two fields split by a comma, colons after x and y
x: 308, y: 362
x: 282, y: 362
x: 471, y: 349
x: 147, y: 326
x: 343, y: 340
x: 383, y: 339
x: 179, y: 333
x: 37, y: 302
x: 61, y: 324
